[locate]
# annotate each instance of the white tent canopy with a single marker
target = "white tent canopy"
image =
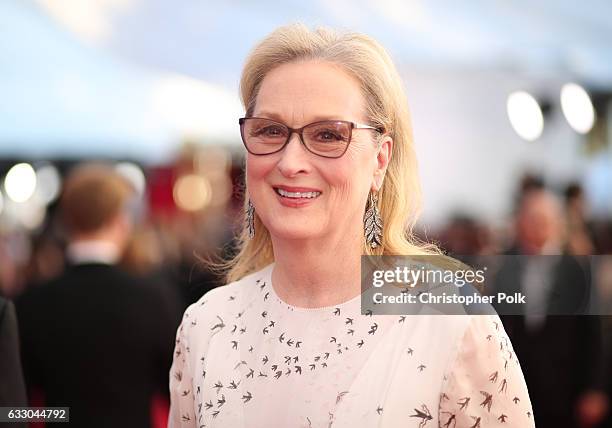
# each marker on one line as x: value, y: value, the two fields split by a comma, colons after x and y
x: 210, y: 39
x: 64, y: 98
x: 66, y: 92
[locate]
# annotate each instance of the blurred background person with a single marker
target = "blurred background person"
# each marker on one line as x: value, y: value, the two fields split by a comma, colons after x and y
x: 97, y: 339
x: 12, y: 388
x: 561, y: 354
x: 580, y: 237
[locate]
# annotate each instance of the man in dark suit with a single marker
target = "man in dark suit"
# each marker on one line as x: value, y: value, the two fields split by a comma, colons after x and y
x: 12, y: 388
x: 97, y: 339
x: 558, y: 346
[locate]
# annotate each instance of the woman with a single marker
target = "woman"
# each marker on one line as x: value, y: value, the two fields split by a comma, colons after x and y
x: 284, y: 344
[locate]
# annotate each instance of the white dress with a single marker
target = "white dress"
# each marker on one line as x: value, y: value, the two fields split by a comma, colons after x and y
x: 245, y: 358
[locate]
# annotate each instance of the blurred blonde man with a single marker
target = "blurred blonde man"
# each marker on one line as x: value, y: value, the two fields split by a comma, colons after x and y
x: 97, y: 339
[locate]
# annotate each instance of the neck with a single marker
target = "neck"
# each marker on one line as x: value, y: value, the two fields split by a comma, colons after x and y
x: 317, y: 273
x: 93, y: 251
x: 550, y: 248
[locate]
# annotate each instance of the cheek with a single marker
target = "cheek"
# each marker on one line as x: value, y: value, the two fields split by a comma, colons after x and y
x: 257, y: 168
x: 346, y: 180
x: 339, y: 179
x: 353, y: 174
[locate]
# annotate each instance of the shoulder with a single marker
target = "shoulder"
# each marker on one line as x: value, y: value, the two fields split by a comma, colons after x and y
x: 479, y: 330
x: 485, y: 382
x: 481, y: 340
x: 459, y: 338
x: 489, y: 324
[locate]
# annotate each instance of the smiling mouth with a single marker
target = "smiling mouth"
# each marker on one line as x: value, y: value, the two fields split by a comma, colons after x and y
x: 296, y: 195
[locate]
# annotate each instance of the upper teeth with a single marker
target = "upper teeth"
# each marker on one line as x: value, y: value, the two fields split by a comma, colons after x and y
x: 298, y: 194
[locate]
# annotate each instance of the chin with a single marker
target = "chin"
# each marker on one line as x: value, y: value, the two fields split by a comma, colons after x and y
x: 292, y: 231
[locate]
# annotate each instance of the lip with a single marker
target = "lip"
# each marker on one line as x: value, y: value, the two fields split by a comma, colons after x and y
x: 295, y: 202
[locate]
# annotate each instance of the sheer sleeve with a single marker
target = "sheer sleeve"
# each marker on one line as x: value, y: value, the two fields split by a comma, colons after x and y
x: 181, y: 381
x: 484, y: 387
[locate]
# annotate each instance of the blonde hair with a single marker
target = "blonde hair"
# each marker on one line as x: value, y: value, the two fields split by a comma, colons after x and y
x: 367, y: 60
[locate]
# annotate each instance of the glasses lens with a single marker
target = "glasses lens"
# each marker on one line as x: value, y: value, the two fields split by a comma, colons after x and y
x: 328, y: 139
x: 263, y: 136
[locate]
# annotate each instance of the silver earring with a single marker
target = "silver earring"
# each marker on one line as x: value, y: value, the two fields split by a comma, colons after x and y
x: 372, y: 222
x: 250, y: 219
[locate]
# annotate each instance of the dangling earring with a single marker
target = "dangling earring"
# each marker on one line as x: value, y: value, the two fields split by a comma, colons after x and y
x: 373, y: 222
x: 250, y: 219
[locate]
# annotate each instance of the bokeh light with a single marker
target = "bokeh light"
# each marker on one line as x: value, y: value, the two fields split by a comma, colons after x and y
x: 525, y: 115
x: 49, y: 183
x: 192, y: 192
x: 577, y: 108
x: 31, y: 214
x: 20, y: 182
x: 134, y: 174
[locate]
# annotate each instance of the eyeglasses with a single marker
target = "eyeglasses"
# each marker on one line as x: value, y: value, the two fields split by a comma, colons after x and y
x: 327, y: 138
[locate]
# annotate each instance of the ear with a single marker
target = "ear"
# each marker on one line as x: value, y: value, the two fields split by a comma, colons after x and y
x: 382, y: 162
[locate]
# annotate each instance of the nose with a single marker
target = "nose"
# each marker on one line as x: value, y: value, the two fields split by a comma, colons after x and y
x: 294, y: 158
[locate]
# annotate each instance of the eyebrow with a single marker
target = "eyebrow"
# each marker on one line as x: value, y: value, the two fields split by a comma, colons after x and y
x: 278, y: 117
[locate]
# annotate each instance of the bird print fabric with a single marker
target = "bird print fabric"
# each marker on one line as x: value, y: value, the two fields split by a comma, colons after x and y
x: 485, y: 386
x: 245, y: 358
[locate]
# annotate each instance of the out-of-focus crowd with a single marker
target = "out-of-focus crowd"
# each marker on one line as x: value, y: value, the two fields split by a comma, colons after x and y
x: 100, y: 287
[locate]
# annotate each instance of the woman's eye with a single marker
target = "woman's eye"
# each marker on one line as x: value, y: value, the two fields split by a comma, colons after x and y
x: 271, y: 131
x: 329, y: 136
